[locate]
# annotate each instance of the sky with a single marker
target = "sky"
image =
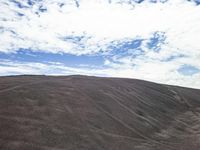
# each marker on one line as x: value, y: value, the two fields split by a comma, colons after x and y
x: 154, y: 40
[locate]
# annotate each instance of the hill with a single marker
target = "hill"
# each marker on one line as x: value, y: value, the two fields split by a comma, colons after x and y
x: 93, y: 113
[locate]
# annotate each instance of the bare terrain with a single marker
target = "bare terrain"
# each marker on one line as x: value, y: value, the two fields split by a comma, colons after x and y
x: 93, y: 113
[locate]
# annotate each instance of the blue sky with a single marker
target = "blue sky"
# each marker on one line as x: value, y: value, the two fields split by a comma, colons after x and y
x: 155, y: 40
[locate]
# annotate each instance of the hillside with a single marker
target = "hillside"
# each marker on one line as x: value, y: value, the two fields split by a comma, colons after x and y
x: 93, y: 113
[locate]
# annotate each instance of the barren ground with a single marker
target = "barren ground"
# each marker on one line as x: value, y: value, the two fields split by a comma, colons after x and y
x: 91, y: 113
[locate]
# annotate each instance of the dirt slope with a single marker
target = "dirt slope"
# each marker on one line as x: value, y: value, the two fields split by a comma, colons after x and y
x: 91, y: 113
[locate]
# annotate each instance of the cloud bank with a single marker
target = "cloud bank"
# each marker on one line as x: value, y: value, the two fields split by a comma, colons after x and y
x: 156, y: 40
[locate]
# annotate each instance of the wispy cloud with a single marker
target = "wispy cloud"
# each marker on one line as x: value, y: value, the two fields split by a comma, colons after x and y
x: 147, y: 39
x: 42, y: 25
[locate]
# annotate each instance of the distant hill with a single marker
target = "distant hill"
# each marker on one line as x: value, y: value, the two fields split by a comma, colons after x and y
x: 93, y: 113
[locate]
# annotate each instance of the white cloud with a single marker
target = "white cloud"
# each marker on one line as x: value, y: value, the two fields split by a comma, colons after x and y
x: 8, y: 67
x: 99, y: 23
x: 99, y: 19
